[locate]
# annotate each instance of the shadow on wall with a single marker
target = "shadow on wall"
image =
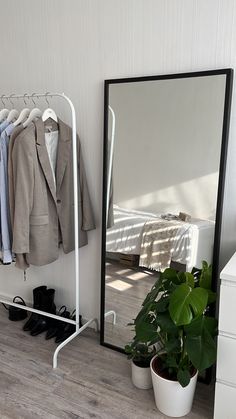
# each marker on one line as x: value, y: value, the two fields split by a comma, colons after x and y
x: 197, y: 197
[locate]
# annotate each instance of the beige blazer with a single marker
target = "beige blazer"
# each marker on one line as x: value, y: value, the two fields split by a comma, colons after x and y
x: 13, y: 137
x: 43, y: 213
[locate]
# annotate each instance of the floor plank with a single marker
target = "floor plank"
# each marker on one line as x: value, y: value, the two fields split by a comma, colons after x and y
x: 91, y: 381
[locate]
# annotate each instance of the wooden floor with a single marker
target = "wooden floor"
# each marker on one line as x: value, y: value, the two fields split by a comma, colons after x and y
x: 125, y: 291
x: 91, y: 381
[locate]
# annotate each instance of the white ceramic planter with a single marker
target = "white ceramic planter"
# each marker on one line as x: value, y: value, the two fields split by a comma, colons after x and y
x: 171, y: 398
x: 141, y: 377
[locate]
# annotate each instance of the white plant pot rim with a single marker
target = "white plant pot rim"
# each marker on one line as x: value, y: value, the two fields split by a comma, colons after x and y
x: 138, y: 366
x: 166, y: 379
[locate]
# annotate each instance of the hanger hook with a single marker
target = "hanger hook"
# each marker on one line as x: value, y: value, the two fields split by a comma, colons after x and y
x: 25, y: 95
x: 46, y: 97
x: 4, y: 104
x: 10, y: 99
x: 32, y: 98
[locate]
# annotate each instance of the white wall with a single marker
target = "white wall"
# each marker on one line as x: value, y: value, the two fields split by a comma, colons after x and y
x: 167, y: 144
x: 71, y: 46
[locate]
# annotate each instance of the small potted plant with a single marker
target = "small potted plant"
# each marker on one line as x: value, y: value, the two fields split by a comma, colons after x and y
x: 141, y: 355
x: 175, y: 317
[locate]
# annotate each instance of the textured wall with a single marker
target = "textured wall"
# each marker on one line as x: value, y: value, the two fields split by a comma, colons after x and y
x: 72, y: 46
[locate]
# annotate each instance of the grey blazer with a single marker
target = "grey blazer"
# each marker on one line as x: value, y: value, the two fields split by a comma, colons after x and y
x: 44, y: 215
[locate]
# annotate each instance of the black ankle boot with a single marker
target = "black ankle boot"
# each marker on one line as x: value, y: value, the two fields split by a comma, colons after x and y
x: 57, y: 325
x: 47, y: 305
x: 37, y: 300
x: 67, y: 330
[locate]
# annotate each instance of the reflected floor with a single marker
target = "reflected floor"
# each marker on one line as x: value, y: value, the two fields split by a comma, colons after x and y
x: 126, y: 288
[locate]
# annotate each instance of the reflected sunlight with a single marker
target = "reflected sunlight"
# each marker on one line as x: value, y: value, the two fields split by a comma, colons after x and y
x: 119, y: 285
x: 123, y: 271
x: 178, y: 197
x: 137, y: 276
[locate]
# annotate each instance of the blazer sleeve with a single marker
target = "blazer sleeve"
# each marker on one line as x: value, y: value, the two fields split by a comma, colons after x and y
x: 88, y: 222
x: 23, y: 179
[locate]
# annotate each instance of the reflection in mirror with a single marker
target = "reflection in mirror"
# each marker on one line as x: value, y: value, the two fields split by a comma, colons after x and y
x: 164, y: 140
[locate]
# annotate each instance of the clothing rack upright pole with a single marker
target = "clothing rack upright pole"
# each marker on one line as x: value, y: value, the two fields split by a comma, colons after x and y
x: 110, y: 160
x: 78, y: 329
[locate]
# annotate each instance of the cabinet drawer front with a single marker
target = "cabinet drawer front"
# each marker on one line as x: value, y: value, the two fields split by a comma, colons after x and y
x: 227, y: 315
x: 226, y: 365
x: 225, y: 397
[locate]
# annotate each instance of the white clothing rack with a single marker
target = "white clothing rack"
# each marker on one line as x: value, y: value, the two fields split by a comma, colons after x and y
x: 111, y: 313
x: 110, y: 160
x: 78, y: 329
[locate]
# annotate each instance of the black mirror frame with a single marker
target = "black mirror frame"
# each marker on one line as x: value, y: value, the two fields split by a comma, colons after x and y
x: 221, y: 183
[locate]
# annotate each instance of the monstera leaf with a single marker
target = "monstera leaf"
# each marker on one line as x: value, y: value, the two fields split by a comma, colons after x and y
x: 199, y: 343
x: 145, y: 331
x: 186, y: 303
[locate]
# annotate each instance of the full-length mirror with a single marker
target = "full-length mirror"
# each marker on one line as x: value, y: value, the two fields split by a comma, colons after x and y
x: 164, y: 161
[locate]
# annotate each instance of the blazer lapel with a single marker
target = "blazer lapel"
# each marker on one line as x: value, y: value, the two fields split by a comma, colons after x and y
x: 43, y: 156
x: 63, y: 152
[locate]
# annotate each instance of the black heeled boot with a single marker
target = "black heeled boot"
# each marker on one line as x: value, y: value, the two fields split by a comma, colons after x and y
x: 47, y: 305
x: 56, y: 325
x: 67, y: 329
x: 37, y: 299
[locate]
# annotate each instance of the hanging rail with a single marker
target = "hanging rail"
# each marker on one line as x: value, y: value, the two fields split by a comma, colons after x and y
x: 78, y: 329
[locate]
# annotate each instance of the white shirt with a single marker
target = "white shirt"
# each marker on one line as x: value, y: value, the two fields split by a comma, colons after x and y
x: 51, y: 140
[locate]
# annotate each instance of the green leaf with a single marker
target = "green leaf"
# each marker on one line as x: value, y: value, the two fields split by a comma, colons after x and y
x: 166, y: 324
x: 211, y: 296
x: 162, y: 305
x: 152, y: 295
x: 183, y: 377
x: 171, y: 274
x: 206, y: 276
x: 173, y: 345
x: 200, y: 344
x: 128, y: 349
x: 187, y: 302
x: 186, y: 277
x: 189, y: 279
x: 145, y: 332
x: 155, y: 340
x: 170, y: 361
x: 144, y: 313
x: 169, y: 278
x: 203, y: 322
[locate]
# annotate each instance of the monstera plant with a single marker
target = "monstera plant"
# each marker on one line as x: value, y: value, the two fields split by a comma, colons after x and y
x: 175, y: 318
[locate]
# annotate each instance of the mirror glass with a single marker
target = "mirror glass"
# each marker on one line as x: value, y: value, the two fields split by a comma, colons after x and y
x: 163, y: 153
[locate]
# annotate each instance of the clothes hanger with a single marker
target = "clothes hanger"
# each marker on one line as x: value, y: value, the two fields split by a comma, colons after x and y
x: 23, y: 115
x: 49, y: 112
x: 34, y: 113
x: 4, y: 112
x: 13, y: 114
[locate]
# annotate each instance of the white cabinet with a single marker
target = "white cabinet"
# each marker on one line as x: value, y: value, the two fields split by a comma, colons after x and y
x: 225, y: 397
x: 225, y: 394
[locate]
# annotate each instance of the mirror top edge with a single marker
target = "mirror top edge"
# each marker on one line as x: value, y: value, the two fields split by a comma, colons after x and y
x: 221, y: 71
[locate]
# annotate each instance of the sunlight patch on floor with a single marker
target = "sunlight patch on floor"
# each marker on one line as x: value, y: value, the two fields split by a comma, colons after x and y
x: 119, y: 285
